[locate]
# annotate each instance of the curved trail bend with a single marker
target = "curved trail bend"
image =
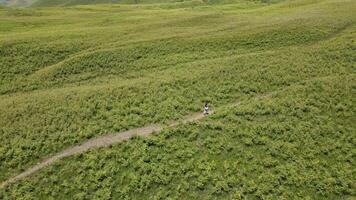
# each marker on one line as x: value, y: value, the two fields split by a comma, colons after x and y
x: 102, y: 141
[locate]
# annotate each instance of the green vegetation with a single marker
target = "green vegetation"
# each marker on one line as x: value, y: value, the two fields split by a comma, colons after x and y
x: 292, y: 145
x: 70, y: 74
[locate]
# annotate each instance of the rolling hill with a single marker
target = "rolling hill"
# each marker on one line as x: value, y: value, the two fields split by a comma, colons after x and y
x: 71, y: 74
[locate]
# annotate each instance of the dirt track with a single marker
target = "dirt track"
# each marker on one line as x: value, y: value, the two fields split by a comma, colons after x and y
x: 102, y: 141
x: 110, y: 139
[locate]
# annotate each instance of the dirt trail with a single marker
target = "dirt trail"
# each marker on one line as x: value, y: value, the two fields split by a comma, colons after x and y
x: 110, y: 139
x: 102, y: 141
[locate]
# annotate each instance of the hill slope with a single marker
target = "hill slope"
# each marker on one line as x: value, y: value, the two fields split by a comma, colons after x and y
x: 71, y: 74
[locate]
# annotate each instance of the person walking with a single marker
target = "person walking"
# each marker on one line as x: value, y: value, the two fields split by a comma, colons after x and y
x: 206, y: 109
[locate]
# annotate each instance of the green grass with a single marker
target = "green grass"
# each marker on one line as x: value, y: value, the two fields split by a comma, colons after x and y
x: 70, y: 74
x: 291, y: 145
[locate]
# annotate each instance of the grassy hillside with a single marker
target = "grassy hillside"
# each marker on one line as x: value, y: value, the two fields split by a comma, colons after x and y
x: 70, y: 74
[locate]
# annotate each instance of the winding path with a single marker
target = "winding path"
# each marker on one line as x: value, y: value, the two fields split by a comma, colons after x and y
x: 110, y: 139
x: 102, y: 141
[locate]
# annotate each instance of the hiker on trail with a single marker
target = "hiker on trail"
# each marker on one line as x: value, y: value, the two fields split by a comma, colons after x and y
x: 206, y: 109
